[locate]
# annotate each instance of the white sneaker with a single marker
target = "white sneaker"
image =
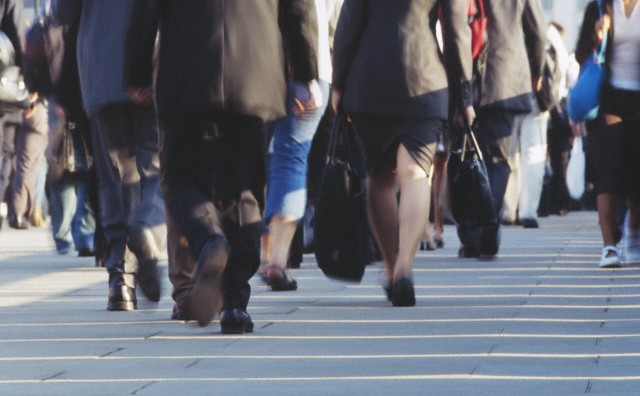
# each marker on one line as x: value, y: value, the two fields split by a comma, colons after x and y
x: 631, y: 245
x: 612, y: 261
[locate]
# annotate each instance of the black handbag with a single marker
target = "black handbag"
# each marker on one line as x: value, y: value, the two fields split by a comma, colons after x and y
x: 469, y: 192
x: 14, y: 95
x: 341, y: 233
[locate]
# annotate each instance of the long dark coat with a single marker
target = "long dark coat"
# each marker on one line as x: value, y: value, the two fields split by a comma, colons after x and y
x: 242, y: 67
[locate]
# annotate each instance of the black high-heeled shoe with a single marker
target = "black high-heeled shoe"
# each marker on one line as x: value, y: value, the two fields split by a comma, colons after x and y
x: 403, y: 293
x: 439, y: 242
x: 427, y: 244
x: 280, y: 280
x: 387, y: 287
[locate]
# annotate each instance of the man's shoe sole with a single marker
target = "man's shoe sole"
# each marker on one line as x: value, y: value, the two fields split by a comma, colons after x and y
x: 206, y: 296
x: 121, y: 306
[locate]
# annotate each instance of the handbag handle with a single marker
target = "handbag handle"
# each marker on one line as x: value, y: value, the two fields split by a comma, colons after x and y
x: 470, y: 142
x: 601, y: 48
x: 336, y: 131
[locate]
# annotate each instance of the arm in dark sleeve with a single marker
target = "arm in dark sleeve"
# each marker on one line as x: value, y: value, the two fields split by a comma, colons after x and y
x: 140, y: 43
x: 586, y: 38
x: 67, y: 11
x: 457, y: 41
x: 535, y: 34
x: 347, y: 38
x: 13, y: 26
x: 299, y: 24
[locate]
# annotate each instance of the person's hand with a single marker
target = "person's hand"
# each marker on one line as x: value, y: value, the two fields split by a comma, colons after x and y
x: 576, y: 129
x: 336, y: 98
x: 470, y: 114
x: 58, y: 111
x: 142, y: 96
x: 465, y: 116
x: 602, y: 26
x: 536, y: 83
x: 306, y: 97
x: 33, y: 99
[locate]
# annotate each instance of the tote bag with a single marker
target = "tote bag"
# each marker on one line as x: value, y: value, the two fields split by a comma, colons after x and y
x: 575, y: 170
x: 341, y: 231
x: 584, y: 96
x: 468, y: 191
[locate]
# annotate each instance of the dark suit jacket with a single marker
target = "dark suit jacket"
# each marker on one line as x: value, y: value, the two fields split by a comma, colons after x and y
x: 102, y: 28
x: 222, y: 56
x: 387, y: 61
x: 516, y: 45
x: 12, y: 24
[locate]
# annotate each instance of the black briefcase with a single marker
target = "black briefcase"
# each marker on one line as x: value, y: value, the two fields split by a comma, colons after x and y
x: 341, y: 232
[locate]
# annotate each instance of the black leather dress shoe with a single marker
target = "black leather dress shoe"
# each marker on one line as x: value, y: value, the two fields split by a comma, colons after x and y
x: 235, y: 321
x: 18, y: 222
x: 142, y: 243
x: 86, y: 252
x: 182, y: 314
x: 122, y: 298
x: 206, y: 295
x: 468, y: 252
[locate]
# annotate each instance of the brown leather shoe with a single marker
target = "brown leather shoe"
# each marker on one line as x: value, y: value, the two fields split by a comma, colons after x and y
x: 206, y: 294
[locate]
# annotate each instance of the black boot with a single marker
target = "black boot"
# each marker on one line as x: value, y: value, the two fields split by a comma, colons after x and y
x: 122, y: 298
x: 142, y: 243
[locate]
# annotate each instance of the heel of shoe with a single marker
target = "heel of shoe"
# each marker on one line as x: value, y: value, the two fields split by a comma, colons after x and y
x: 403, y: 294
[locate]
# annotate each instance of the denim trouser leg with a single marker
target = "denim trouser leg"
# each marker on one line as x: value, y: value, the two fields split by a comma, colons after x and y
x: 83, y: 225
x: 290, y: 145
x: 62, y: 202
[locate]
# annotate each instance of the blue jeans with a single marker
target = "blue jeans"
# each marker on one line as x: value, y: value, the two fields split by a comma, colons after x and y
x: 287, y: 171
x: 72, y: 219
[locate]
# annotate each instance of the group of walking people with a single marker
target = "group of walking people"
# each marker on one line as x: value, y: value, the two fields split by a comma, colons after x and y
x: 194, y: 107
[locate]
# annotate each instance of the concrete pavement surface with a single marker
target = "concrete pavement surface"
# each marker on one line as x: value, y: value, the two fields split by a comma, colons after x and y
x: 541, y: 319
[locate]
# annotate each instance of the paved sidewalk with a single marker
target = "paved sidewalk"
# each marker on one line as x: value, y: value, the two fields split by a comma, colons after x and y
x: 542, y: 319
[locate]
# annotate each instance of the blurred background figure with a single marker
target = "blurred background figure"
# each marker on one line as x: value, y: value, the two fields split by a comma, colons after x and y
x: 516, y: 37
x: 614, y: 141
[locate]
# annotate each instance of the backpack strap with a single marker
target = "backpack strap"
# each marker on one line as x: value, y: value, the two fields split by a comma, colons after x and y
x: 602, y: 47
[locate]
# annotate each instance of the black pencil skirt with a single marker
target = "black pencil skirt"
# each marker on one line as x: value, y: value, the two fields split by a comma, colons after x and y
x: 381, y: 135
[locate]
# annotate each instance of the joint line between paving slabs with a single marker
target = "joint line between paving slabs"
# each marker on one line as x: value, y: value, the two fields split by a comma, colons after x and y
x: 143, y: 387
